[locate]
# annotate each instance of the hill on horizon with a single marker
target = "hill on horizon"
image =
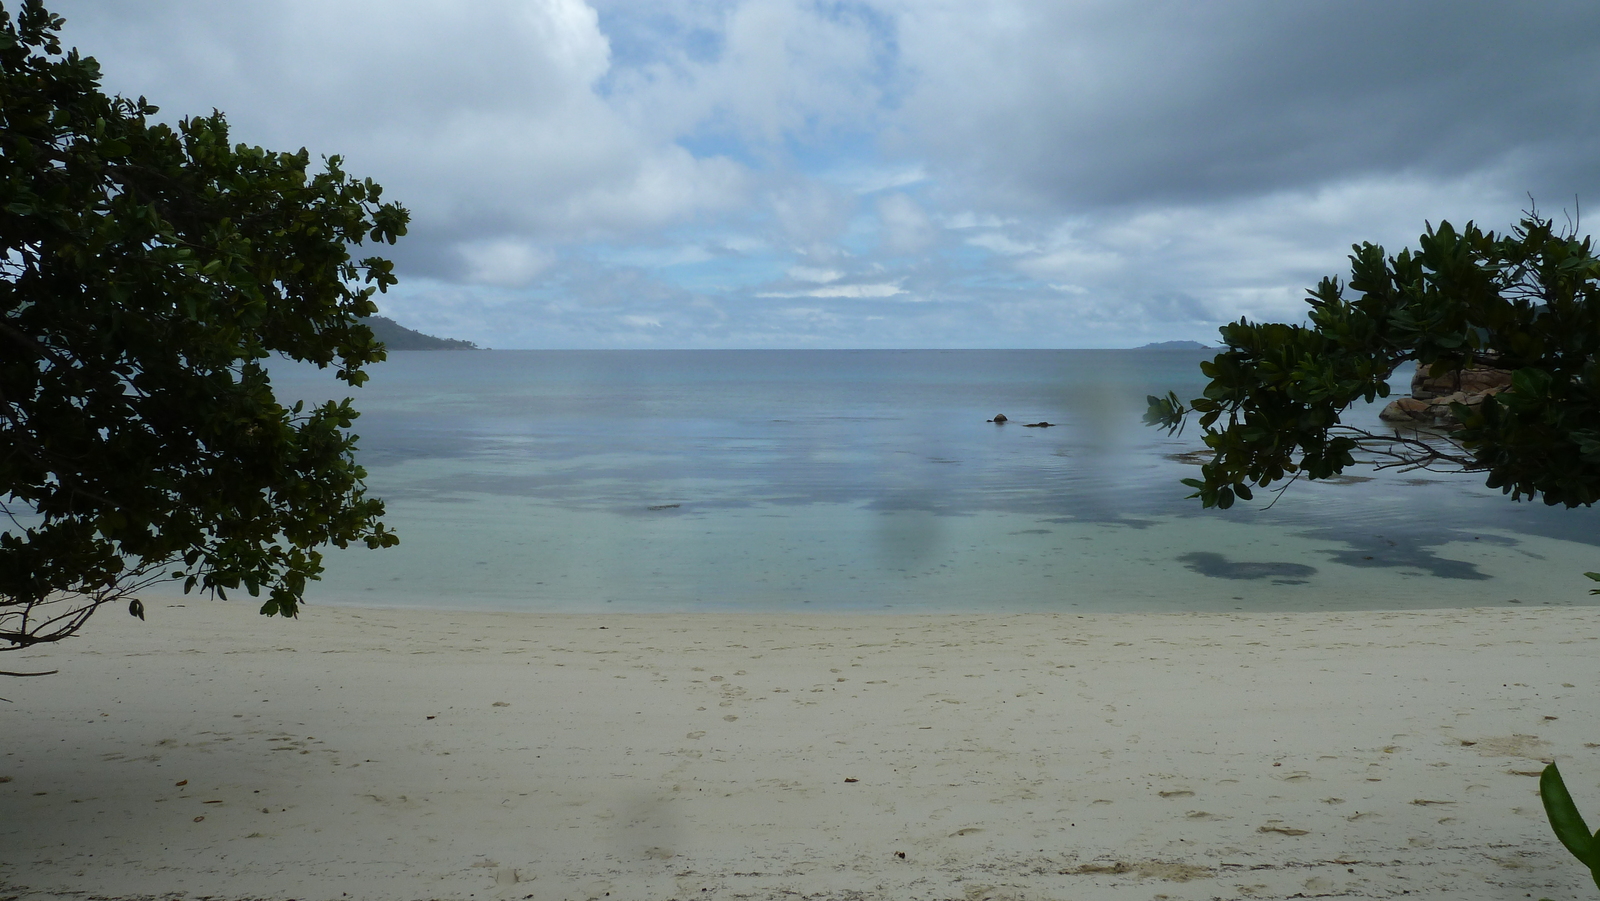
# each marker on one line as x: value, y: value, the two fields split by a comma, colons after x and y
x: 397, y: 337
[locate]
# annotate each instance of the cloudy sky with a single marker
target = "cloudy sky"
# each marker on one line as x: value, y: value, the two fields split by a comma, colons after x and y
x: 888, y: 173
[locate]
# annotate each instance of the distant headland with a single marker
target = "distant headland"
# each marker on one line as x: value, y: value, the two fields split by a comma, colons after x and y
x: 1175, y: 345
x: 397, y: 337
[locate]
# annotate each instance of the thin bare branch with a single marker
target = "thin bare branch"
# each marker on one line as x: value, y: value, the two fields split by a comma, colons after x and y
x: 1277, y: 493
x: 1398, y: 451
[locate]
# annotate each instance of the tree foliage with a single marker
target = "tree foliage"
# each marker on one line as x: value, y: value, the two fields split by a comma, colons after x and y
x: 1527, y: 301
x: 146, y: 272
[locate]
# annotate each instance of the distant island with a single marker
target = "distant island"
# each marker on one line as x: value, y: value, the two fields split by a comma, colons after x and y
x: 1175, y: 345
x: 397, y: 337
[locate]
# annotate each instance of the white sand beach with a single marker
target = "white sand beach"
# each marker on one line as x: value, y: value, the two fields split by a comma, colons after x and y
x: 388, y: 754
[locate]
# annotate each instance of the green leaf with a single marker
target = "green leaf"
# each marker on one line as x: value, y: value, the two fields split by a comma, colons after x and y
x: 1565, y: 819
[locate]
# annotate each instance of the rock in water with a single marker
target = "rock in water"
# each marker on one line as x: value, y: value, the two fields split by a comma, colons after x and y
x: 998, y: 418
x: 1430, y: 400
x: 1037, y: 425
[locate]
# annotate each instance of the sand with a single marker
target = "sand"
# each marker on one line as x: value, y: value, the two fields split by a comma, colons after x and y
x: 389, y: 754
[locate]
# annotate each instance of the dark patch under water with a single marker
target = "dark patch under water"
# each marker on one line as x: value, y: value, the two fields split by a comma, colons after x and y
x: 1219, y: 567
x: 1406, y: 552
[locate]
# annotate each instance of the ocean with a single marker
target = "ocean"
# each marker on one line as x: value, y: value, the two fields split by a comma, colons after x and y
x: 823, y: 480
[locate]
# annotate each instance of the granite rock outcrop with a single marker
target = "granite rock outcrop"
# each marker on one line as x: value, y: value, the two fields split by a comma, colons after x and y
x: 1428, y: 405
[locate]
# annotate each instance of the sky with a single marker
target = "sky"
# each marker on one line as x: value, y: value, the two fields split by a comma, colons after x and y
x: 895, y: 174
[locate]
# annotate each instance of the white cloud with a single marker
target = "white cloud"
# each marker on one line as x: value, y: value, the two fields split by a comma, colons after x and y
x: 877, y: 290
x: 505, y: 262
x: 906, y: 226
x: 812, y: 215
x: 785, y: 69
x: 969, y: 219
x: 478, y: 116
x: 812, y: 274
x: 1002, y: 244
x: 881, y: 290
x: 659, y: 257
x: 742, y: 244
x: 1073, y: 258
x: 873, y: 180
x: 1255, y: 257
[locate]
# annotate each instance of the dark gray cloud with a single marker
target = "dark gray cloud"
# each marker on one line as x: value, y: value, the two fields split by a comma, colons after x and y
x: 1139, y: 104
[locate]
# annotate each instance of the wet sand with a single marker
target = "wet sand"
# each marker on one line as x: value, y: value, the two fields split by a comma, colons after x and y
x: 400, y: 754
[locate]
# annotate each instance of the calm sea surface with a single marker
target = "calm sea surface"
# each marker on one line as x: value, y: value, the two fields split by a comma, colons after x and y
x: 870, y: 481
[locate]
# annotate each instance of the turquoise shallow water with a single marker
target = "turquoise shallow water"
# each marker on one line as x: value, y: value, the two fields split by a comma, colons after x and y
x: 869, y: 480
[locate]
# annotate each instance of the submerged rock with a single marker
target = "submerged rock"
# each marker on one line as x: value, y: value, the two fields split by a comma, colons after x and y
x: 1037, y: 425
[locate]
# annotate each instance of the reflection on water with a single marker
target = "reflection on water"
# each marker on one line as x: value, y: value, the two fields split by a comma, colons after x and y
x: 871, y: 480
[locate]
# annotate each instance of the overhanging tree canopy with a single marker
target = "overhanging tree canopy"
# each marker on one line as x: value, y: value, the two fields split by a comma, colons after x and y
x: 1529, y: 301
x: 145, y: 274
